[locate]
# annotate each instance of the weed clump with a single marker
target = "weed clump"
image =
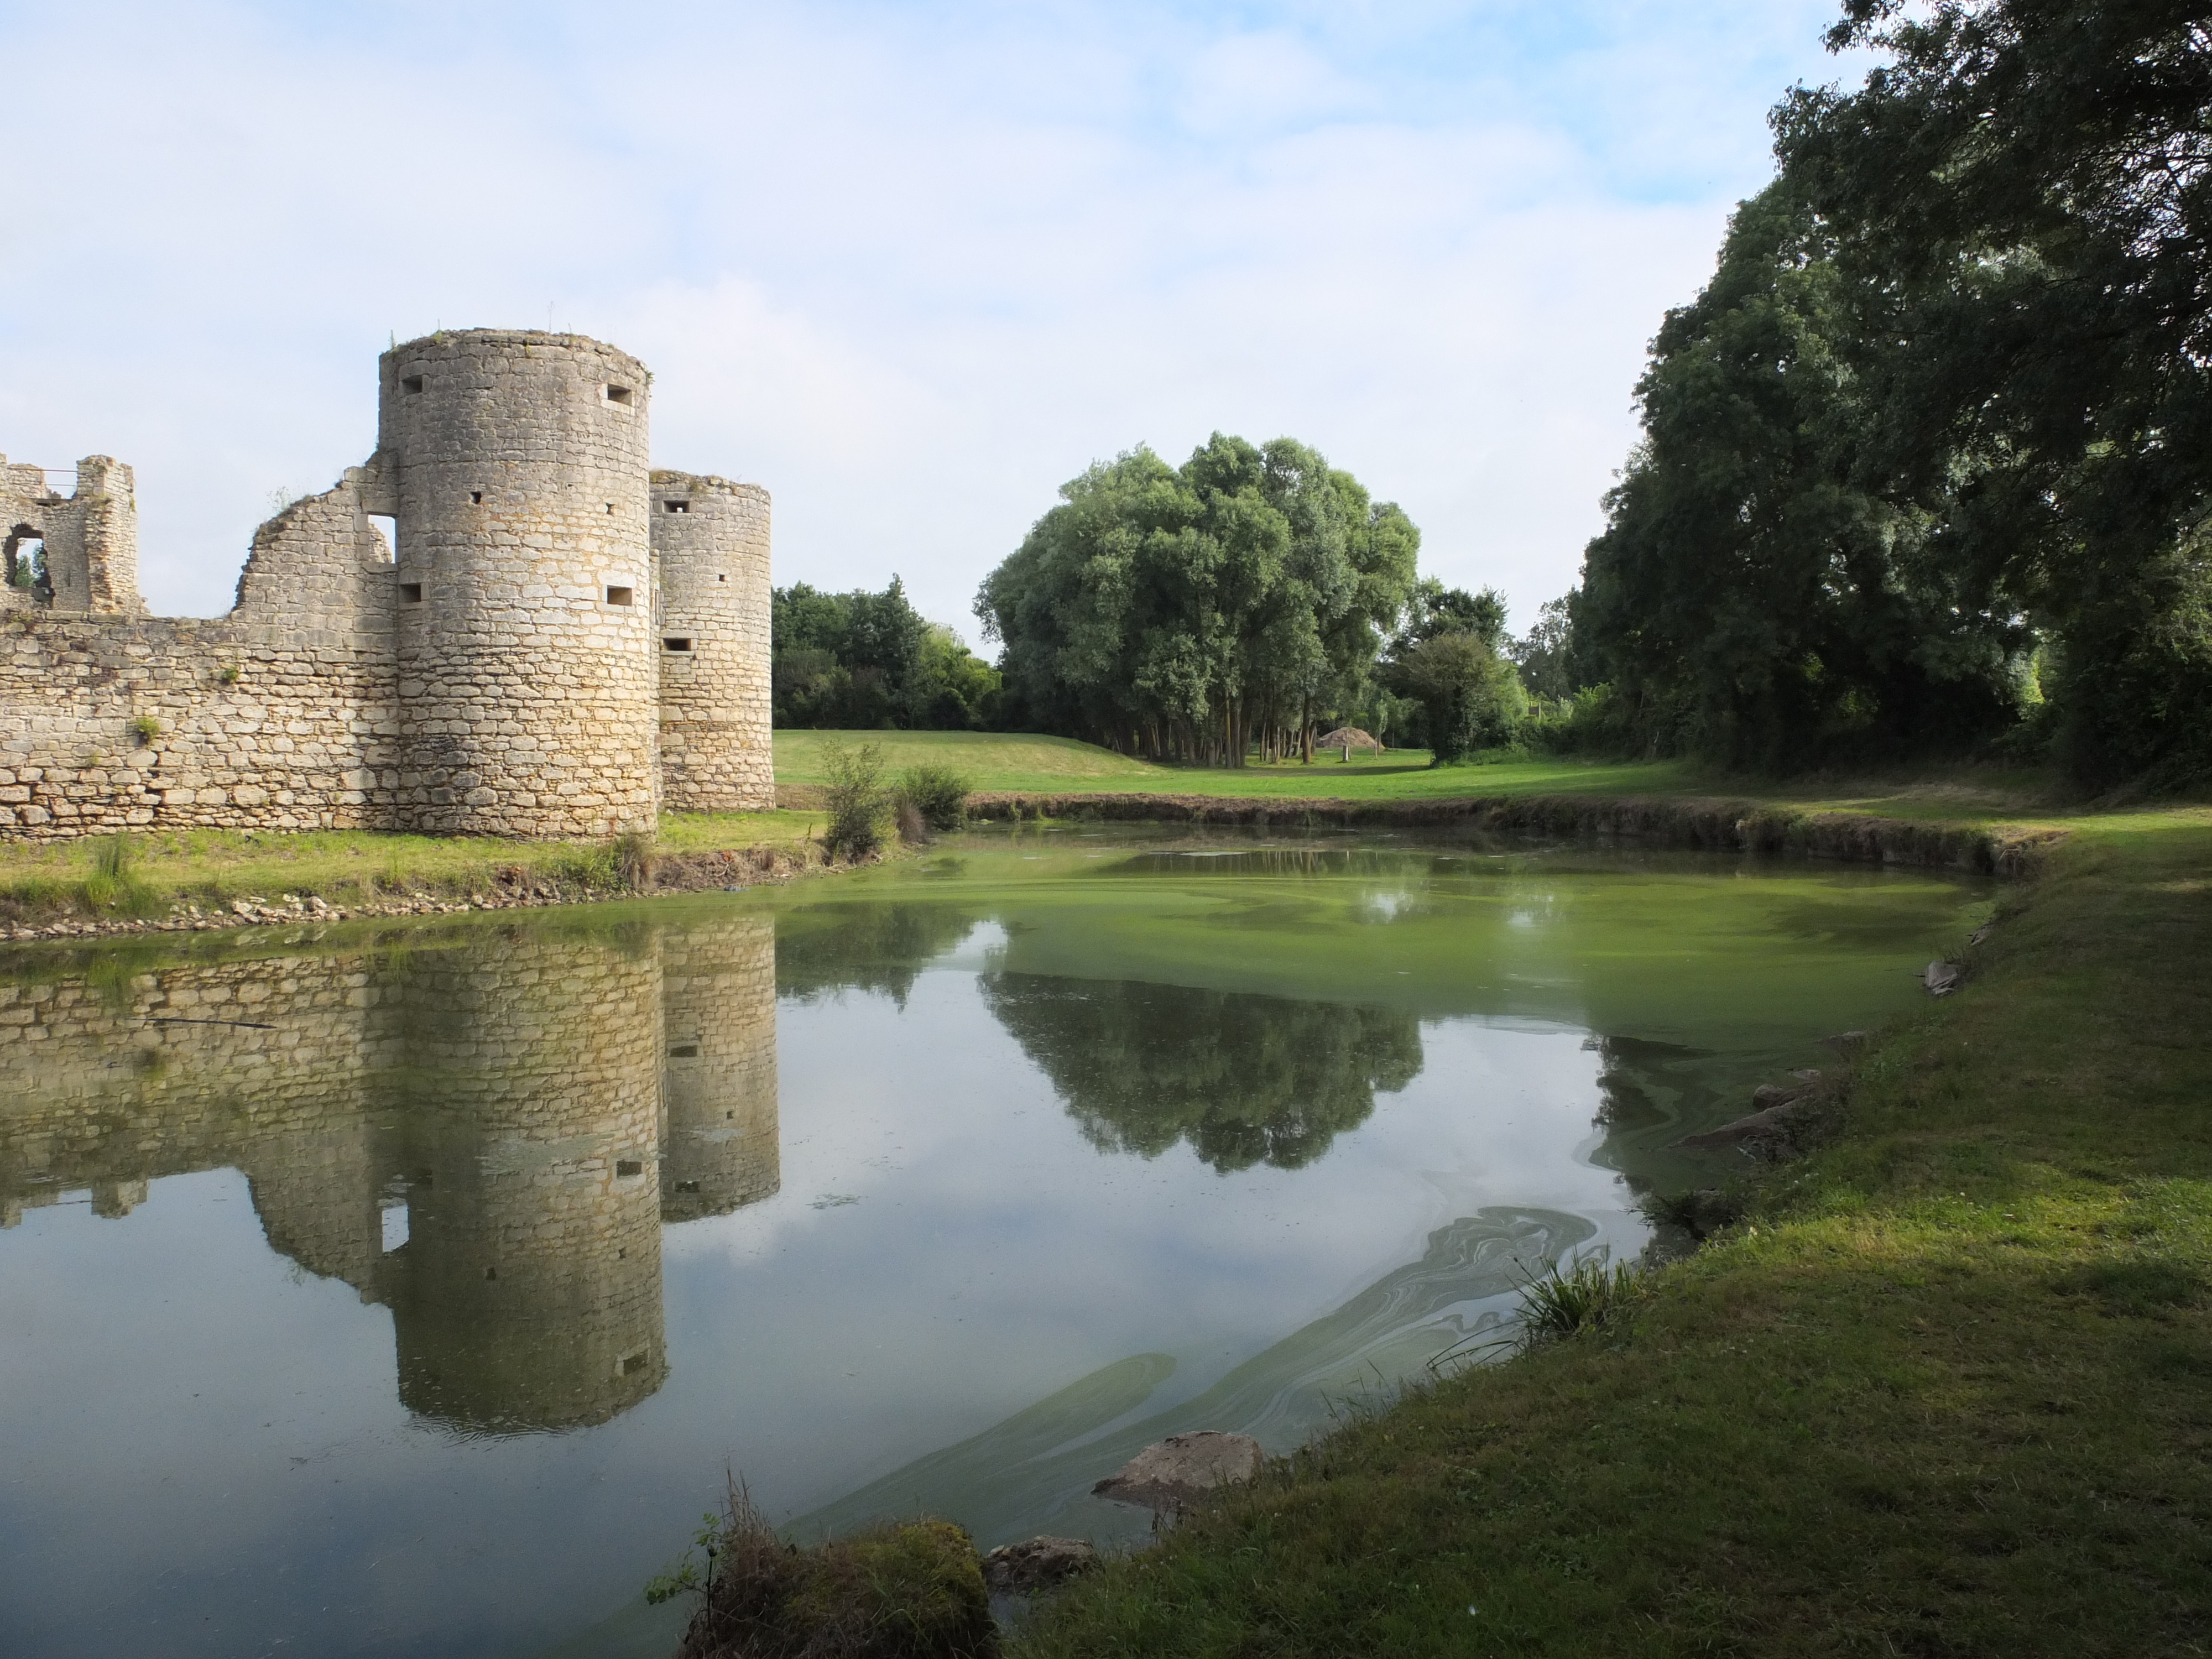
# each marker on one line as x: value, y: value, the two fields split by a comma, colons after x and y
x: 635, y: 861
x: 114, y: 883
x: 937, y: 794
x: 1587, y: 1294
x: 856, y: 800
x: 910, y: 1589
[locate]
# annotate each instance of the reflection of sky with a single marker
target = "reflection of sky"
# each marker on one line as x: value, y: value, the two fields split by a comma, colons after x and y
x: 207, y: 1448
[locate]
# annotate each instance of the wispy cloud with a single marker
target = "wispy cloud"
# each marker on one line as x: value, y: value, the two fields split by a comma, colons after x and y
x: 910, y: 266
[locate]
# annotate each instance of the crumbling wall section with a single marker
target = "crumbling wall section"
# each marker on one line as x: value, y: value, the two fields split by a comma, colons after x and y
x: 280, y: 716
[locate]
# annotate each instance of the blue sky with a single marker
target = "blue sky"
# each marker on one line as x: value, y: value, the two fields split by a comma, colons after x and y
x: 911, y: 266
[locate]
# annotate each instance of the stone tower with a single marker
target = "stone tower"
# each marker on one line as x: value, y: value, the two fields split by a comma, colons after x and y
x: 718, y: 1092
x: 513, y: 465
x: 710, y: 540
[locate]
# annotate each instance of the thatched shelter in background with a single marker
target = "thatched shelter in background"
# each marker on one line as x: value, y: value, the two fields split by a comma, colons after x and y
x: 1347, y: 739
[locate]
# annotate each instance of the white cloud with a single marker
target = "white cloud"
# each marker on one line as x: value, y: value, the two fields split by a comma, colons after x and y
x: 908, y: 266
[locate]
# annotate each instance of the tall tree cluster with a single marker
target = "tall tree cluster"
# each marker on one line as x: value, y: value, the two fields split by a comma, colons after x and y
x: 1196, y: 613
x: 863, y: 661
x: 1931, y: 456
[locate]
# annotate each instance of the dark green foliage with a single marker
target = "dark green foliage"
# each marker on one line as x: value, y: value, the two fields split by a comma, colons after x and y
x: 857, y: 801
x: 1546, y: 654
x: 1750, y: 601
x: 1945, y: 409
x: 1189, y: 613
x: 870, y: 661
x: 1244, y: 1079
x: 910, y: 1589
x: 2027, y: 185
x: 938, y: 794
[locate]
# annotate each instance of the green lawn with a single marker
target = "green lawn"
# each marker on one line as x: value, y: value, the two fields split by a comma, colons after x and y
x: 1947, y: 1392
x: 1009, y: 764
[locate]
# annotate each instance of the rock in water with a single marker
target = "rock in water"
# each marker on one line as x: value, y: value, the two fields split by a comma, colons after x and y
x: 1035, y: 1563
x: 1182, y: 1468
x: 1941, y: 979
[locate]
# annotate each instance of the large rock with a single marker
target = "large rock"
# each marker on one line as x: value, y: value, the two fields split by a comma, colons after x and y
x: 1771, y: 1127
x: 1035, y: 1563
x: 1942, y: 978
x: 1182, y: 1468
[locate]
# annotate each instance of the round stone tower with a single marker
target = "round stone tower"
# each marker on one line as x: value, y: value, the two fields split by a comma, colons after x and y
x: 515, y: 467
x: 710, y: 545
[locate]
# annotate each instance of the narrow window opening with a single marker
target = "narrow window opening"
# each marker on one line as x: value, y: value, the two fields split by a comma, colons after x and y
x: 676, y: 506
x: 610, y: 506
x: 620, y: 394
x: 618, y: 596
x: 632, y: 1364
x: 411, y: 592
x: 491, y: 1273
x: 27, y: 563
x: 684, y: 1051
x: 687, y: 1186
x: 675, y: 645
x: 729, y: 1115
x: 476, y: 497
x: 411, y: 385
x: 629, y: 1166
x: 388, y: 527
x: 719, y: 577
x: 395, y: 1226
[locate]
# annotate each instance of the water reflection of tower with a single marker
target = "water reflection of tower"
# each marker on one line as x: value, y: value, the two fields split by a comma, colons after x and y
x: 718, y: 1143
x: 527, y: 1293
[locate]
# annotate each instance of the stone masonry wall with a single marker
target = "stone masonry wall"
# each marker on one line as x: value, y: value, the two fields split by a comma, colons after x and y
x: 710, y: 543
x: 501, y: 671
x: 516, y: 467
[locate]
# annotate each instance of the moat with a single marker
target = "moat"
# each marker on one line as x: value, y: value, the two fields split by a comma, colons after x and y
x: 406, y: 1290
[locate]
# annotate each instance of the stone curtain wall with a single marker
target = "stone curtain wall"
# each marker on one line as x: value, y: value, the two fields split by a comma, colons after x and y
x: 280, y: 715
x: 488, y: 678
x: 710, y: 543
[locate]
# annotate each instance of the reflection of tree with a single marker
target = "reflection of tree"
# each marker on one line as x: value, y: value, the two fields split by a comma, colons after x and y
x: 1243, y: 1078
x: 1645, y: 1087
x: 868, y: 946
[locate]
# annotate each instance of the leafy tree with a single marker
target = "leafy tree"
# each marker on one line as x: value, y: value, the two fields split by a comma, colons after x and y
x: 2026, y: 186
x: 865, y: 661
x: 1445, y: 660
x: 1243, y: 1080
x: 1545, y: 654
x: 1753, y: 598
x: 1189, y: 613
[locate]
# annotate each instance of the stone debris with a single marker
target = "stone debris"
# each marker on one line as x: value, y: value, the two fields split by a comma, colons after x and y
x: 1182, y: 1468
x: 1942, y: 978
x: 1036, y: 1563
x: 1846, y: 1042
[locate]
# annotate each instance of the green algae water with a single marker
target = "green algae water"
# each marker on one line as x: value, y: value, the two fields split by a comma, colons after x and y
x: 409, y: 1289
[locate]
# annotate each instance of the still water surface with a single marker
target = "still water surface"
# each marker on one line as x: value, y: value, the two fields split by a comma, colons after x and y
x: 407, y: 1291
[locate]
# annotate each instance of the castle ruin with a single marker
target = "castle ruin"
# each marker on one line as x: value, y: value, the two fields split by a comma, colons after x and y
x: 550, y: 639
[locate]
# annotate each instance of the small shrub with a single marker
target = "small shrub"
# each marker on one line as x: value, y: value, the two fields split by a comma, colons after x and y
x: 855, y: 800
x: 909, y: 1590
x: 144, y: 728
x: 114, y: 884
x: 938, y: 794
x: 1585, y: 1295
x: 913, y: 827
x: 230, y: 674
x: 635, y: 860
x: 592, y: 865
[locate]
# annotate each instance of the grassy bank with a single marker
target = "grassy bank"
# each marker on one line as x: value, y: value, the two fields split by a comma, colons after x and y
x: 1002, y: 764
x: 347, y: 868
x: 1948, y: 1390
